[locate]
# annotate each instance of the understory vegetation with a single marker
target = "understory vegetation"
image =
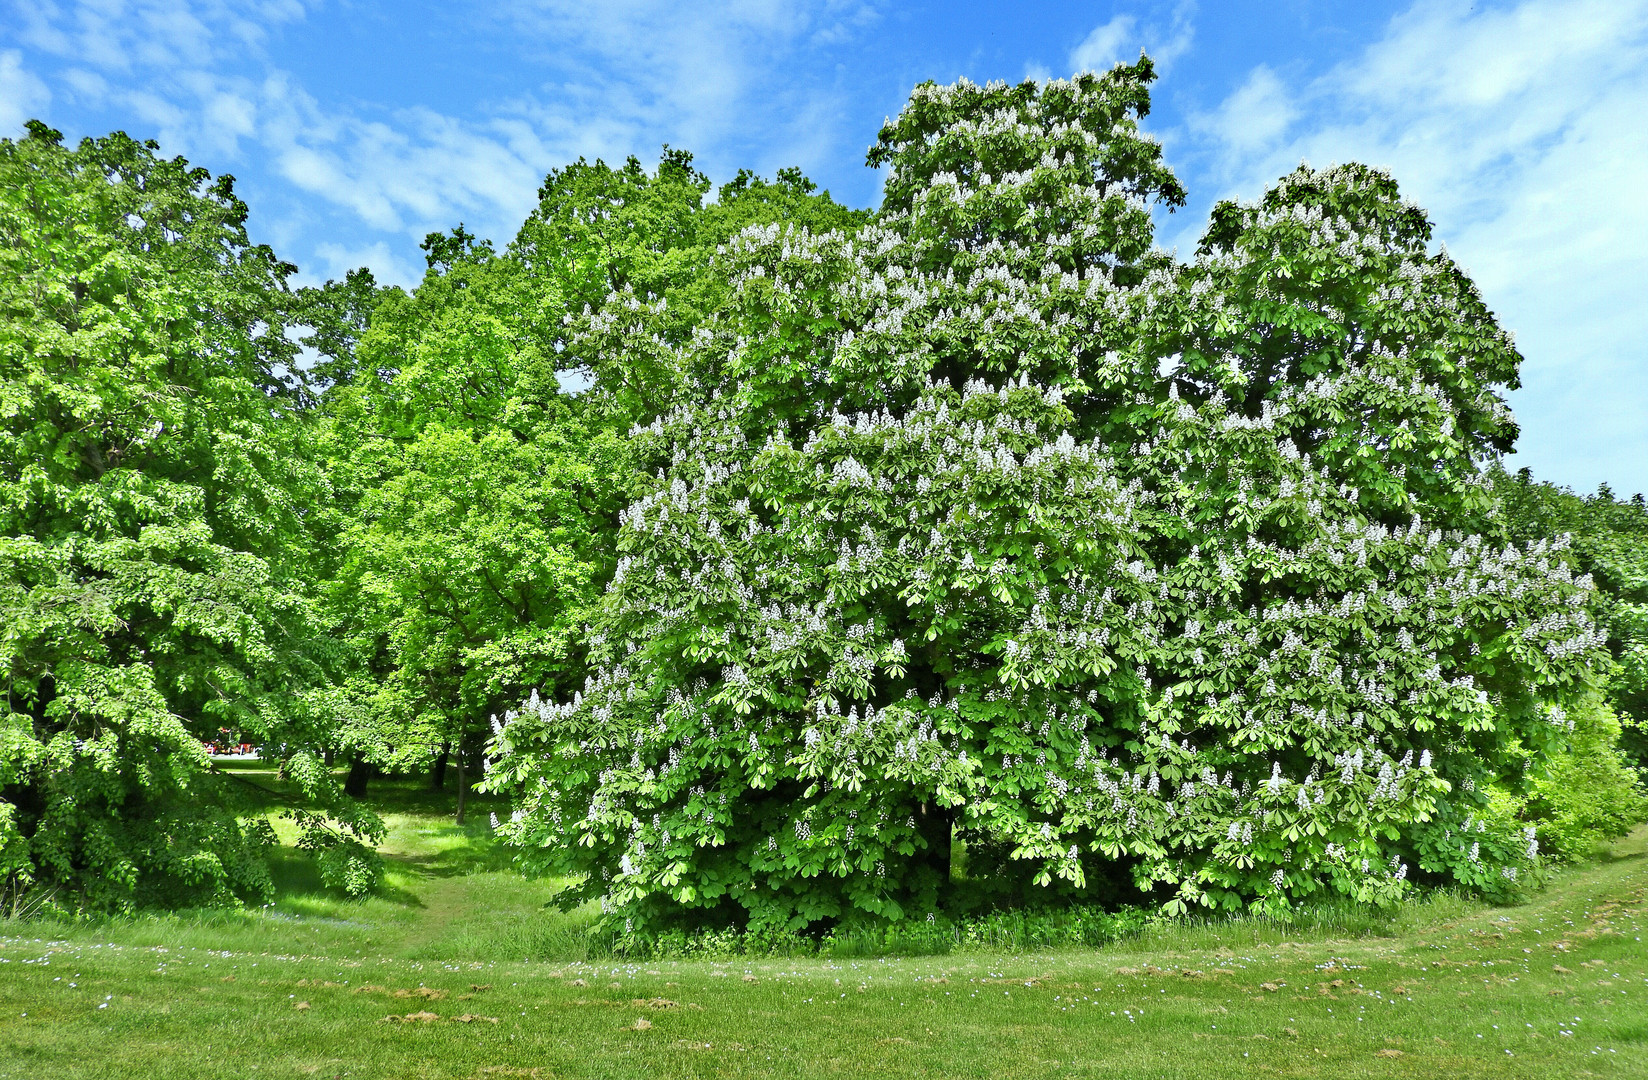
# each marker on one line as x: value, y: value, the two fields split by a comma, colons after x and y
x: 752, y: 577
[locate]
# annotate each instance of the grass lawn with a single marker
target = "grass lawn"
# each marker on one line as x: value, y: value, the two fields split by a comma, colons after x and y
x: 456, y: 970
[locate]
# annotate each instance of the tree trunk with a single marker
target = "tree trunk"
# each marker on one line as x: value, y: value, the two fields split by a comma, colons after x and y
x: 327, y: 756
x: 936, y: 826
x: 463, y: 781
x: 354, y: 785
x: 437, y: 775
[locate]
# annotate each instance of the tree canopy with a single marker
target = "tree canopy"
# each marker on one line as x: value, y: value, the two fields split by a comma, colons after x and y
x: 484, y: 499
x: 788, y: 564
x: 1610, y: 543
x: 988, y: 521
x: 155, y: 495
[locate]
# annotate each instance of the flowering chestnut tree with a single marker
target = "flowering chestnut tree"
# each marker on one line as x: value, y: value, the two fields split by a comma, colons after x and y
x: 1337, y: 599
x: 988, y: 521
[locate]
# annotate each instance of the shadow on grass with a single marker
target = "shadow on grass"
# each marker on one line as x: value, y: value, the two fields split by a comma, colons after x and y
x: 261, y: 783
x: 1632, y: 846
x: 298, y: 884
x: 452, y: 864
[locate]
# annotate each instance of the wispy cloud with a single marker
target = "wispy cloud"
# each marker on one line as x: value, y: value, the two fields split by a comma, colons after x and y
x: 1105, y: 45
x: 131, y: 35
x: 188, y: 71
x: 1254, y: 118
x: 389, y: 264
x: 1521, y: 130
x: 22, y: 94
x: 711, y: 76
x: 405, y: 171
x: 619, y: 77
x: 1121, y: 39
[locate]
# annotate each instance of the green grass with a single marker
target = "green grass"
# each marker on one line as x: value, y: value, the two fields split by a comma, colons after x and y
x: 1447, y: 987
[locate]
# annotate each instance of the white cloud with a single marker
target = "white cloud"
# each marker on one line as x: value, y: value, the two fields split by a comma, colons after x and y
x: 128, y: 35
x: 620, y: 78
x: 1253, y: 117
x: 389, y: 266
x: 1105, y: 45
x: 707, y: 77
x: 87, y: 86
x: 1521, y: 131
x: 22, y: 96
x: 1121, y: 39
x: 188, y: 73
x: 617, y: 78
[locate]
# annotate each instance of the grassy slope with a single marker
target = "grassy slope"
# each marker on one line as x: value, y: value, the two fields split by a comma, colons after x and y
x: 1558, y: 987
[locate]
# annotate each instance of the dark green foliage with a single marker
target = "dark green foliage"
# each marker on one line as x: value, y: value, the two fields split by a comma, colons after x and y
x: 336, y: 314
x: 827, y: 544
x: 1013, y: 930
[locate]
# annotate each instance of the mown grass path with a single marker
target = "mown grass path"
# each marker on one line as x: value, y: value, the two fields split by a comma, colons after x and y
x: 417, y: 985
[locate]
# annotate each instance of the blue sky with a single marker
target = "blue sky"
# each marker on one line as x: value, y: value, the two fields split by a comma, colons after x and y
x: 356, y: 126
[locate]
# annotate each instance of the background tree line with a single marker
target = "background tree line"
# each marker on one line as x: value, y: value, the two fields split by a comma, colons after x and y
x: 355, y: 524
